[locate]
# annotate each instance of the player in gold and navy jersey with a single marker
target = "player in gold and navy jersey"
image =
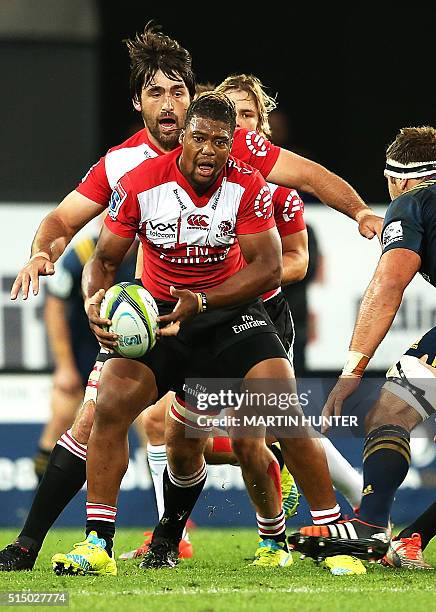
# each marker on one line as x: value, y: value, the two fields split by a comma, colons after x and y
x: 409, y: 395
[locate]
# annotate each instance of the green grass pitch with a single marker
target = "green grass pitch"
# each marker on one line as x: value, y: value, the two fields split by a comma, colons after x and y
x: 219, y: 579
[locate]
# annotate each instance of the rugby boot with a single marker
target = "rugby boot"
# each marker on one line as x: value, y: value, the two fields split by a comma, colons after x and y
x: 186, y: 550
x: 87, y: 558
x: 344, y: 565
x: 270, y: 553
x: 353, y: 537
x: 406, y: 553
x: 162, y: 553
x: 15, y: 558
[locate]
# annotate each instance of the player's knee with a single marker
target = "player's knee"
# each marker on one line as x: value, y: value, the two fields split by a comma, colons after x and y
x: 246, y: 449
x: 184, y: 459
x: 154, y: 425
x: 83, y: 422
x: 383, y: 414
x: 390, y: 409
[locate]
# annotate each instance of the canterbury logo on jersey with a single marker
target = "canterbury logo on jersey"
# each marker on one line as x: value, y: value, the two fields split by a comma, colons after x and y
x: 367, y: 490
x: 256, y: 144
x: 198, y: 221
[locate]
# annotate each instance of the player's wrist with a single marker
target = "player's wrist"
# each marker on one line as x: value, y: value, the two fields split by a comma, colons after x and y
x: 87, y: 303
x: 355, y: 364
x: 40, y: 254
x: 201, y: 301
x: 363, y: 212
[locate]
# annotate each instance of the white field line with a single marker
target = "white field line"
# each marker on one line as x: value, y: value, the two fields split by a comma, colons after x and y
x: 224, y: 591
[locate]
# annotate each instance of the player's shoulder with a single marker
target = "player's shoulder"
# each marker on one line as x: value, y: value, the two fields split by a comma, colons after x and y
x: 423, y: 193
x: 250, y: 142
x: 138, y: 138
x: 237, y: 169
x: 282, y: 194
x: 152, y: 172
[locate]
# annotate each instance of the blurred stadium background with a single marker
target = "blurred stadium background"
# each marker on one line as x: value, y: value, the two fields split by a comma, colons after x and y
x: 65, y: 100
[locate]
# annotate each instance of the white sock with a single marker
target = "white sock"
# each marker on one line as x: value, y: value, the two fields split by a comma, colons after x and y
x: 157, y: 460
x: 345, y: 478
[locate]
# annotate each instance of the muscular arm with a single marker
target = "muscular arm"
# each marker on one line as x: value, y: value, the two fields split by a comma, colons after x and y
x: 382, y: 299
x: 295, y: 256
x: 100, y: 269
x: 52, y: 236
x: 98, y: 275
x: 294, y: 171
x: 263, y: 271
x: 379, y: 306
x: 62, y: 224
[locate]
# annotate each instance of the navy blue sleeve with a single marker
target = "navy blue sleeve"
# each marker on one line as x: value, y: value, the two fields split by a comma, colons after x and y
x: 403, y: 225
x: 67, y: 278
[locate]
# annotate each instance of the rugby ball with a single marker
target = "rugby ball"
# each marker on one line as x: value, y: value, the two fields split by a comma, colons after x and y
x: 133, y: 313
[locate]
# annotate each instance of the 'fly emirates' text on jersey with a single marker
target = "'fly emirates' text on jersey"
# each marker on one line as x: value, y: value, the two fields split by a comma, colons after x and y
x: 189, y: 241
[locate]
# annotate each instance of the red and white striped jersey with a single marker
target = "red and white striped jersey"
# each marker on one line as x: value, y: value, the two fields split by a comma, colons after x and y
x: 288, y: 210
x: 98, y: 183
x: 250, y: 147
x: 189, y: 241
x: 101, y: 178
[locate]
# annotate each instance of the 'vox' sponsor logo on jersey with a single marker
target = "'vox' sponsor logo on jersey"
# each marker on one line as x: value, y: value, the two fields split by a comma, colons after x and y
x: 159, y: 230
x: 163, y: 227
x: 198, y: 221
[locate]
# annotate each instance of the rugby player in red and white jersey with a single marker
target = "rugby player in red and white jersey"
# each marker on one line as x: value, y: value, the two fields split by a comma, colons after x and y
x: 162, y: 83
x: 206, y: 278
x: 253, y: 106
x: 163, y: 123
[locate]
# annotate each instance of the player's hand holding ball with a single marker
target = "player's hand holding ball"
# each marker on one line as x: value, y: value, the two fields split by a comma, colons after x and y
x: 129, y: 314
x: 99, y: 325
x: 186, y: 308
